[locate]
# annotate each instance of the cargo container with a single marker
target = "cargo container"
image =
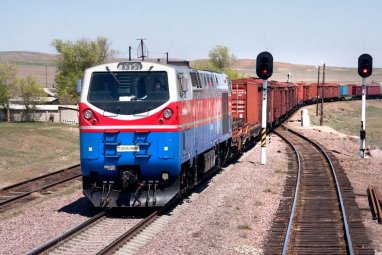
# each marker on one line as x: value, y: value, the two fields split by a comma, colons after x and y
x: 314, y: 93
x: 303, y: 93
x: 246, y: 101
x: 372, y: 91
x: 346, y: 91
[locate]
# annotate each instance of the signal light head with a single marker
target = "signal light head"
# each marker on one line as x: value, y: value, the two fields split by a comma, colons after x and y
x: 365, y: 65
x: 264, y: 65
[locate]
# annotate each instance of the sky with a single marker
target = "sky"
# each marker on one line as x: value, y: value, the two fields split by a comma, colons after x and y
x: 334, y: 32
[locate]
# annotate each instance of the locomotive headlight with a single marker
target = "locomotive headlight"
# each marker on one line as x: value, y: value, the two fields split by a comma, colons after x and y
x: 165, y: 176
x: 167, y: 113
x: 88, y: 114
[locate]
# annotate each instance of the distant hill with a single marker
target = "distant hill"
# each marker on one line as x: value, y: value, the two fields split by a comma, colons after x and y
x: 42, y: 66
x: 303, y: 73
x: 28, y: 58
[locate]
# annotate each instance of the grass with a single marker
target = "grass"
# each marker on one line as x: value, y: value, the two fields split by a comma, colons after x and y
x: 267, y: 190
x: 345, y: 117
x: 244, y: 227
x: 30, y: 149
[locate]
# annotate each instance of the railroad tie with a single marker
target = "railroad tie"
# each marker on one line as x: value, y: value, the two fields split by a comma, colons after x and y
x: 375, y: 203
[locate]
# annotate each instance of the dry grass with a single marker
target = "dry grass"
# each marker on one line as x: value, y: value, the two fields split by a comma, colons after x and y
x: 345, y: 117
x: 31, y: 149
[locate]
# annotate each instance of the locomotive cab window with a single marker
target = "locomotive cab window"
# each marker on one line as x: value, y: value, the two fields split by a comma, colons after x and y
x: 128, y: 93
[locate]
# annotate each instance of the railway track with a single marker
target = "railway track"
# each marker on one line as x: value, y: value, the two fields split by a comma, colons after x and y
x: 115, y: 231
x: 109, y: 232
x: 318, y: 214
x: 22, y: 191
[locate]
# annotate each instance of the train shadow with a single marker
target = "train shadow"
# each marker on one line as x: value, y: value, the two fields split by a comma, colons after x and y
x: 81, y: 206
x: 84, y: 207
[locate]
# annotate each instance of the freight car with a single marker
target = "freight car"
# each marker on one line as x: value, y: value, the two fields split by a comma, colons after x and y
x: 346, y: 91
x: 246, y: 102
x: 246, y: 112
x: 372, y: 91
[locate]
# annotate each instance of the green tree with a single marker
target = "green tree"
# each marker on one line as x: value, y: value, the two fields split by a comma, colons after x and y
x: 31, y: 94
x: 7, y: 86
x: 73, y: 59
x: 220, y: 61
x: 221, y: 58
x: 205, y: 65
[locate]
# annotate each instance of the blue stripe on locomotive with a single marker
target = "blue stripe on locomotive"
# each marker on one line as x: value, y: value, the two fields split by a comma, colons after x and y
x: 158, y: 151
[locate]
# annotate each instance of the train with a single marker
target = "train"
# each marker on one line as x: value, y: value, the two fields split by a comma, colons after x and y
x: 140, y: 146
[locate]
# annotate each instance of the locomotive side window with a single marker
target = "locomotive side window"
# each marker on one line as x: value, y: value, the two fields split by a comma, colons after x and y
x: 194, y: 80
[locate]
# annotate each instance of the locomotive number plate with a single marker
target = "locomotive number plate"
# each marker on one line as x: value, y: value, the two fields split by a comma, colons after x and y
x: 127, y: 148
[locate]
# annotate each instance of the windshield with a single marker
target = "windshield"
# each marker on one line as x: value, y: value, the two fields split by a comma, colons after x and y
x: 128, y: 92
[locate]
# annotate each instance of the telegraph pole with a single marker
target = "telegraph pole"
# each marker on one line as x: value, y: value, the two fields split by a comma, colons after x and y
x: 264, y: 70
x: 322, y: 95
x: 318, y: 84
x: 365, y: 69
x: 46, y: 75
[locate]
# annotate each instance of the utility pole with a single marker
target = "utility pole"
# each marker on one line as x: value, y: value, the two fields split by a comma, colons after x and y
x: 318, y: 83
x: 166, y: 57
x: 129, y: 53
x: 322, y: 96
x: 46, y: 75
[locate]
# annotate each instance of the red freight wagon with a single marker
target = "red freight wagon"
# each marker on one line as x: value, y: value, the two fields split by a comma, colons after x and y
x: 276, y: 100
x: 282, y: 99
x: 246, y: 100
x: 306, y: 95
x: 300, y: 92
x: 303, y: 93
x: 331, y: 91
x: 313, y: 96
x: 292, y: 99
x: 372, y: 91
x: 335, y: 91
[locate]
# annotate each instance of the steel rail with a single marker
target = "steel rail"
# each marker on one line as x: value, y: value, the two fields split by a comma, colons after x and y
x: 126, y: 237
x: 38, y: 177
x: 14, y: 197
x: 338, y: 188
x: 289, y: 229
x: 53, y: 242
x: 2, y: 203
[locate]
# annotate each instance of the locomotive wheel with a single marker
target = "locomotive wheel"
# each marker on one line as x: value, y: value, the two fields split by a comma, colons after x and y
x: 218, y: 162
x: 187, y: 178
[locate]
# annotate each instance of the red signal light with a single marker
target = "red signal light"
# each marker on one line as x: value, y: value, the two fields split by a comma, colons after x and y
x: 365, y: 65
x: 264, y: 65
